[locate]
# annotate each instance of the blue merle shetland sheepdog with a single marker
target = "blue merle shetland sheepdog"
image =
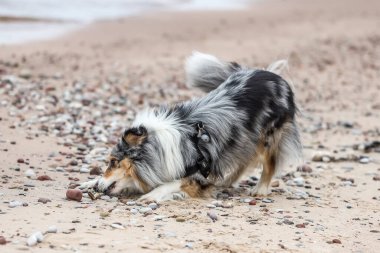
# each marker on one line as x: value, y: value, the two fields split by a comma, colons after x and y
x: 246, y: 120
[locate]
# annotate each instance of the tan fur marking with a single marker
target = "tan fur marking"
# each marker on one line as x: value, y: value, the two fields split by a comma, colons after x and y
x: 191, y: 188
x: 129, y: 169
x: 134, y: 140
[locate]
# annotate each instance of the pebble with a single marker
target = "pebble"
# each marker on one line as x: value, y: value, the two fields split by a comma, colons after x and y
x: 252, y: 202
x: 336, y: 241
x: 84, y: 170
x: 44, y: 178
x: 267, y: 200
x: 145, y: 210
x: 15, y: 203
x: 299, y: 181
x: 159, y: 217
x: 212, y: 216
x: 300, y: 225
x: 305, y: 168
x: 20, y: 160
x: 376, y: 178
x: 364, y: 160
x: 74, y: 194
x: 134, y: 211
x: 117, y: 225
x: 34, y: 239
x: 131, y: 203
x: 210, y: 206
x: 217, y: 203
x: 52, y: 229
x: 30, y: 173
x: 3, y: 240
x: 228, y: 205
x: 180, y: 219
x: 96, y: 171
x: 154, y: 206
x: 44, y: 200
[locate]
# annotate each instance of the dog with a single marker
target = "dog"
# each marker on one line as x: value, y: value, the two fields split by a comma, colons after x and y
x: 247, y: 119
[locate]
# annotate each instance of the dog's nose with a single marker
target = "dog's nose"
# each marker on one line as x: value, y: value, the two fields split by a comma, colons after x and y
x: 96, y: 186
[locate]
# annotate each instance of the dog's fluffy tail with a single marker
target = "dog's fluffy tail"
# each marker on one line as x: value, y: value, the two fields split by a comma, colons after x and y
x: 207, y: 72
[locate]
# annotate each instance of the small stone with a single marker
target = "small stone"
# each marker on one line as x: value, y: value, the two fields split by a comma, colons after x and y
x: 44, y: 200
x: 96, y: 171
x: 117, y: 225
x: 228, y: 205
x: 84, y: 170
x: 210, y: 206
x: 159, y: 217
x: 212, y: 216
x: 217, y: 203
x: 20, y: 160
x: 364, y: 160
x: 52, y: 229
x: 134, y: 211
x: 25, y: 73
x: 267, y: 200
x: 15, y: 203
x: 154, y: 206
x: 44, y: 178
x: 252, y: 202
x: 3, y: 241
x: 326, y: 159
x: 275, y: 183
x: 180, y: 219
x: 288, y: 222
x: 299, y: 181
x: 376, y: 178
x: 74, y: 194
x: 336, y: 241
x: 305, y: 168
x: 300, y: 225
x: 104, y: 214
x: 30, y: 173
x: 74, y: 163
x: 131, y: 203
x: 145, y: 210
x: 35, y: 238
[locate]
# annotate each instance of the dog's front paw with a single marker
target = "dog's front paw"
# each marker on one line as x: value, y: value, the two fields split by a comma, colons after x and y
x: 163, y: 193
x: 260, y: 191
x: 89, y: 184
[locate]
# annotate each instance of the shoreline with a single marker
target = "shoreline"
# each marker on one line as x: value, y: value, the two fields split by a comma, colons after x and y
x: 36, y: 33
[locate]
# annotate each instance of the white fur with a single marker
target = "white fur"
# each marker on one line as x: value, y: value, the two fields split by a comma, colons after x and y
x: 166, y: 130
x: 278, y: 66
x: 164, y: 192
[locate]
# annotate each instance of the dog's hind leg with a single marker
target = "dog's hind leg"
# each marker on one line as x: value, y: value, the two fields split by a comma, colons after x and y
x: 269, y: 168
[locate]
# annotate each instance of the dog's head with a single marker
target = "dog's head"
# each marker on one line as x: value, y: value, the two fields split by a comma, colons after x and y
x: 127, y: 158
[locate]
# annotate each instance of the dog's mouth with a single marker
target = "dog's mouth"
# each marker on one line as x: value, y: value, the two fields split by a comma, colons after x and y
x: 110, y: 188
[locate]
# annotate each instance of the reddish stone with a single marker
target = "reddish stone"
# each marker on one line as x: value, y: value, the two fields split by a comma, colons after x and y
x: 44, y: 178
x: 300, y: 225
x: 74, y: 194
x: 252, y: 202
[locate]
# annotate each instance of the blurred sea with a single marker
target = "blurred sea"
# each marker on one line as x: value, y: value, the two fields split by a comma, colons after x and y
x: 26, y: 20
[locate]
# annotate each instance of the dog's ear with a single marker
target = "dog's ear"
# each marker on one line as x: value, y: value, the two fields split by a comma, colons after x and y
x: 135, y: 136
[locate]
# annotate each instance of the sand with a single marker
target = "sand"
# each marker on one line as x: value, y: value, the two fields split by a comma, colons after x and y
x: 100, y: 75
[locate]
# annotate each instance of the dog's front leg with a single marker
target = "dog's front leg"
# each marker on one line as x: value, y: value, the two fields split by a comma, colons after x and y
x: 89, y: 184
x: 167, y: 191
x: 194, y: 186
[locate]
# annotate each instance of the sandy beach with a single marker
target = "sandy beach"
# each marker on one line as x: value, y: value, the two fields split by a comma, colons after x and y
x: 64, y: 103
